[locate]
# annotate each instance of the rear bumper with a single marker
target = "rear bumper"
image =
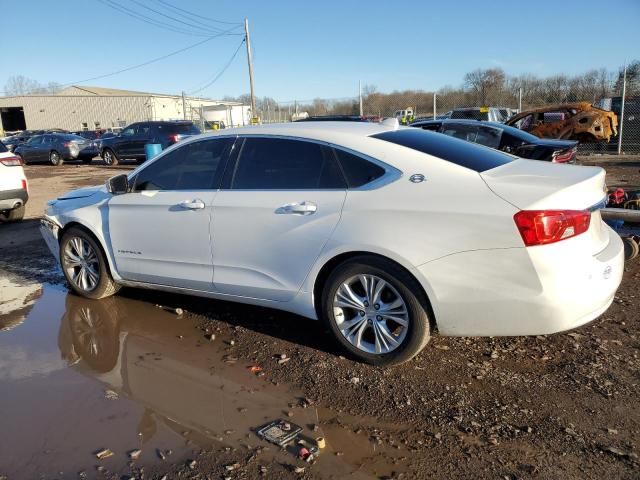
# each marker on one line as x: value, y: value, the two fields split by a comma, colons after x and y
x: 10, y: 199
x: 523, y: 291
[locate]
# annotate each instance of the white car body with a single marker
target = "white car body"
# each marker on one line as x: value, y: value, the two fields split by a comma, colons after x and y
x: 450, y: 226
x: 14, y: 188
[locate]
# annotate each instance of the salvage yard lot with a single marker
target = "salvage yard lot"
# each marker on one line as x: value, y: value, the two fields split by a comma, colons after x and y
x: 553, y: 406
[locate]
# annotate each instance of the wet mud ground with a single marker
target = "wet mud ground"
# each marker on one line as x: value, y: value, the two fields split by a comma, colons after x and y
x: 80, y: 376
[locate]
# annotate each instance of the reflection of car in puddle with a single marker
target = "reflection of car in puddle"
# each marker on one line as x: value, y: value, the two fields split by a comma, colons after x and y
x: 16, y: 301
x: 162, y: 364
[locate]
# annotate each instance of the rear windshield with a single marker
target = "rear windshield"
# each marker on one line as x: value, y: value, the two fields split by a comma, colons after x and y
x: 470, y: 114
x: 3, y: 149
x: 184, y: 128
x: 465, y: 154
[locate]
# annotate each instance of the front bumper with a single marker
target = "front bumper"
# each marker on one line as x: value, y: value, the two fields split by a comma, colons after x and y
x: 523, y: 291
x: 50, y: 231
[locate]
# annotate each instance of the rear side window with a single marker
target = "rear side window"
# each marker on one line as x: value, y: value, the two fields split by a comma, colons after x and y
x: 283, y: 164
x: 194, y: 166
x: 461, y: 153
x: 357, y: 170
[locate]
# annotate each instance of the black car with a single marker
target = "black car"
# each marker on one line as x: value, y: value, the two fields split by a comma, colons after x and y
x: 502, y: 137
x: 55, y: 148
x: 131, y: 141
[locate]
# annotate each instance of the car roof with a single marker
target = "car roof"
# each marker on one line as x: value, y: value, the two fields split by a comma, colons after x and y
x: 324, y: 131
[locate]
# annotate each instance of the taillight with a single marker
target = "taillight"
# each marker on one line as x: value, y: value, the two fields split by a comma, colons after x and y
x: 174, y: 138
x: 541, y: 227
x: 25, y: 185
x: 11, y: 161
x: 564, y: 156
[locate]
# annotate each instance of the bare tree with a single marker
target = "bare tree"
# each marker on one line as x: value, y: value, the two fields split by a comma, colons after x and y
x: 21, y: 85
x: 485, y: 83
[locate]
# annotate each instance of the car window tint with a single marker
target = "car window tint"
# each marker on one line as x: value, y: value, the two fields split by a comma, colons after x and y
x: 282, y: 164
x: 128, y: 132
x: 194, y: 166
x: 489, y: 137
x: 465, y: 154
x: 463, y: 132
x: 143, y: 128
x: 357, y: 170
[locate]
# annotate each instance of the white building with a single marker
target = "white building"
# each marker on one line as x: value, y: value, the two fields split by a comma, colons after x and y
x: 88, y: 108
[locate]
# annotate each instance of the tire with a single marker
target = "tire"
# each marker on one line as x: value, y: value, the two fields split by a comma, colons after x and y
x: 631, y: 248
x: 403, y: 342
x: 85, y: 266
x: 14, y: 215
x: 110, y: 158
x: 55, y: 158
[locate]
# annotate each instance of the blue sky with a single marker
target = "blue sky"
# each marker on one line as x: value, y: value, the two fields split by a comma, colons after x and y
x: 305, y: 50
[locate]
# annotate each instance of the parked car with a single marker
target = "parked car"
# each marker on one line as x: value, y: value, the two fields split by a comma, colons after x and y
x: 385, y: 233
x: 574, y: 121
x: 489, y: 114
x: 507, y: 139
x: 131, y: 141
x: 14, y: 188
x: 56, y: 148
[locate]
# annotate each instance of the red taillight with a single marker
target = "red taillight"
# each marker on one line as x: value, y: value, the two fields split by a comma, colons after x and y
x: 541, y: 227
x: 564, y: 156
x: 25, y: 186
x: 11, y: 161
x: 174, y: 138
x: 67, y: 144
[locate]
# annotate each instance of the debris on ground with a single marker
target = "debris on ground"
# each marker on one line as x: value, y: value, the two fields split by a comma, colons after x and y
x: 104, y: 453
x: 176, y: 310
x: 111, y: 395
x: 135, y: 454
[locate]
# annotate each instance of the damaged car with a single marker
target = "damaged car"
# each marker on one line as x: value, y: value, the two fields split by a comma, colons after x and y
x: 572, y: 121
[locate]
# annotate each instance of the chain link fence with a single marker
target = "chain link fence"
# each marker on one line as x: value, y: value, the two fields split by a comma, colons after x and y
x: 518, y: 95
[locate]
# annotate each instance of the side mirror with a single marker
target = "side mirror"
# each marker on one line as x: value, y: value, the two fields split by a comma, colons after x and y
x: 118, y: 184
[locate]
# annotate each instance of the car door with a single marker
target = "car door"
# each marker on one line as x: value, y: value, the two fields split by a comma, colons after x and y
x: 140, y: 139
x: 123, y: 143
x: 281, y: 200
x: 160, y: 231
x: 31, y: 151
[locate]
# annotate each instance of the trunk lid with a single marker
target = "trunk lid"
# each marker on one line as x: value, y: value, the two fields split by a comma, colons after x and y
x: 536, y: 185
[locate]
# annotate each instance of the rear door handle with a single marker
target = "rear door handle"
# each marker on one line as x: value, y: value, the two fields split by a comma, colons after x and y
x: 196, y: 204
x: 302, y: 208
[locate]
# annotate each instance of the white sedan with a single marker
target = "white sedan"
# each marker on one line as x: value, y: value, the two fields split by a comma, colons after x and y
x: 386, y: 234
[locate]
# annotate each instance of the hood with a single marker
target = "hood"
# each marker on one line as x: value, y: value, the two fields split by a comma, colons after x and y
x: 82, y: 192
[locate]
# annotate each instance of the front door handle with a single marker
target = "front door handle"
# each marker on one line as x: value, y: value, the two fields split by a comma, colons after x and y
x: 302, y: 208
x: 196, y: 204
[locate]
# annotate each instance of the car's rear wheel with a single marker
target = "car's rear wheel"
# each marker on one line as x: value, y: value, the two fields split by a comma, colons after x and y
x: 109, y: 157
x: 376, y: 310
x: 14, y: 215
x: 85, y: 266
x: 55, y: 158
x: 631, y: 248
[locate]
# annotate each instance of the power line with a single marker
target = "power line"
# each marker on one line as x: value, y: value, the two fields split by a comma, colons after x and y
x: 152, y: 21
x: 196, y: 15
x: 219, y: 74
x: 188, y: 24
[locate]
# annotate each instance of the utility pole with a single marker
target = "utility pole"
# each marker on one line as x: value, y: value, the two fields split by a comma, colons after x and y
x: 435, y: 109
x: 247, y: 39
x: 520, y: 100
x: 624, y: 93
x: 360, y: 95
x: 184, y: 107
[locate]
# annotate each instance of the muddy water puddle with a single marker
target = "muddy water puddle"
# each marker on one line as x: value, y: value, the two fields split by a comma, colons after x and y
x: 79, y: 376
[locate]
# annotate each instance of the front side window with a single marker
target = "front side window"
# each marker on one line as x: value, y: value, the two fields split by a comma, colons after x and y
x: 37, y: 140
x: 463, y: 132
x: 129, y: 131
x: 284, y: 164
x: 194, y: 166
x: 489, y: 137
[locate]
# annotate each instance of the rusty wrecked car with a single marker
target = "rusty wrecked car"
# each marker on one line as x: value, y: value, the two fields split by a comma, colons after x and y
x: 571, y: 121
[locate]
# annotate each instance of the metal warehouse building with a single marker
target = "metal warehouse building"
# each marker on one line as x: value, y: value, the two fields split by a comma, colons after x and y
x: 88, y: 108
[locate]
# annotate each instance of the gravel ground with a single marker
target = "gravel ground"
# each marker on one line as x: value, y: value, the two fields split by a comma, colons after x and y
x: 553, y: 406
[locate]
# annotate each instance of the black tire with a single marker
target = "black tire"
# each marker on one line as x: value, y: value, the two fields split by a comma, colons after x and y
x: 417, y: 306
x: 110, y: 158
x: 14, y: 215
x: 105, y: 285
x: 55, y: 158
x: 631, y: 248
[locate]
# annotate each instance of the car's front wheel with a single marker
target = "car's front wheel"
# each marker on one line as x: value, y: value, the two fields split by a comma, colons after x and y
x: 109, y: 157
x: 376, y: 310
x: 84, y: 265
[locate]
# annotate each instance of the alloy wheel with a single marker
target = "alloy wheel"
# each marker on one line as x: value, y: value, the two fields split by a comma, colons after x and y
x: 371, y: 314
x: 107, y: 157
x: 54, y: 158
x: 81, y: 264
